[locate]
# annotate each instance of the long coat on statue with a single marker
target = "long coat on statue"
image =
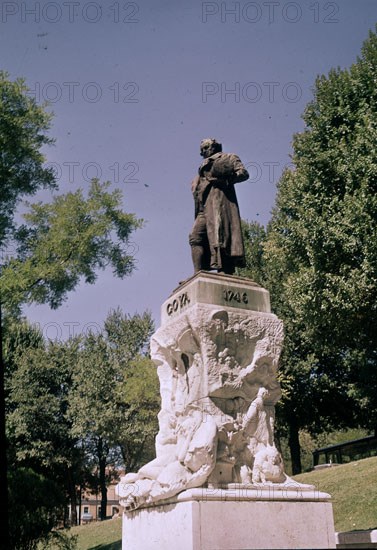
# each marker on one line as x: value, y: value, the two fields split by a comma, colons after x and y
x: 215, y: 197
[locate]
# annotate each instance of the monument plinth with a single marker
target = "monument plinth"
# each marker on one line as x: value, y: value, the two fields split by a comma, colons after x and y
x: 218, y: 480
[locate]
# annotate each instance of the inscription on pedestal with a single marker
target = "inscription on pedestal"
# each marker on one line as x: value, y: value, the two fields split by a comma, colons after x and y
x: 235, y: 296
x: 179, y: 303
x: 208, y: 288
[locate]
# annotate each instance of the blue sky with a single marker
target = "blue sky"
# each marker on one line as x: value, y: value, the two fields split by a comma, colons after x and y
x: 135, y: 86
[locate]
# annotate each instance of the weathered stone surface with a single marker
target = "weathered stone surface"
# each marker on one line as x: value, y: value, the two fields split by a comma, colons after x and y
x: 217, y: 354
x: 218, y: 480
x: 225, y: 522
x: 217, y: 290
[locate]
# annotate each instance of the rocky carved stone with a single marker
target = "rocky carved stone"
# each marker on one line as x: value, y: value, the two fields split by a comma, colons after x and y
x: 217, y: 366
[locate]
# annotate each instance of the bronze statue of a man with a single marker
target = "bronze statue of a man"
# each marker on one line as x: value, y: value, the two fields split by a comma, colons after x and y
x: 216, y: 237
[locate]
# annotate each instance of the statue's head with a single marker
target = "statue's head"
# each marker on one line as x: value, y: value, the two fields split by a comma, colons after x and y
x: 209, y: 147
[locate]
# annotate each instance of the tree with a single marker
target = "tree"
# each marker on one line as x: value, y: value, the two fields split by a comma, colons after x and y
x: 36, y: 506
x: 113, y: 403
x: 138, y: 397
x: 139, y: 405
x: 19, y: 337
x: 61, y: 242
x: 91, y: 408
x: 321, y: 256
x: 38, y: 424
x: 254, y: 237
x: 23, y: 127
x: 66, y: 240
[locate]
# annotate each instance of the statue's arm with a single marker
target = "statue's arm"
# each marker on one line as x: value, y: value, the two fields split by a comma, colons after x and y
x: 240, y: 172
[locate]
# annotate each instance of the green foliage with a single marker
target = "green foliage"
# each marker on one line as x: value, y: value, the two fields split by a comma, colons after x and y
x: 36, y: 506
x: 18, y: 336
x: 328, y: 206
x: 66, y: 240
x: 113, y: 399
x: 141, y: 403
x: 308, y: 443
x: 60, y: 244
x: 319, y: 258
x: 254, y: 236
x: 127, y: 335
x: 37, y: 424
x: 115, y: 380
x: 23, y: 126
x: 77, y: 407
x: 324, y: 226
x: 338, y: 436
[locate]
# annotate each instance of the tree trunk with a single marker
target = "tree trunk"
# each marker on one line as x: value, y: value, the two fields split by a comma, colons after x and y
x: 72, y: 496
x: 294, y: 446
x: 102, y: 458
x: 131, y: 459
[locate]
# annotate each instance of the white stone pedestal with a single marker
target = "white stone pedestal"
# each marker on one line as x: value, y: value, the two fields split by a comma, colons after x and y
x: 217, y: 354
x: 213, y: 519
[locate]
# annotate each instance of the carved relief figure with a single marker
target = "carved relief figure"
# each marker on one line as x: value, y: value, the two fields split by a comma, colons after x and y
x: 192, y: 462
x: 268, y: 466
x: 217, y: 371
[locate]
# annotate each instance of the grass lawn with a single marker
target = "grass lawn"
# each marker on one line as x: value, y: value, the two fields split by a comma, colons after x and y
x: 353, y: 488
x: 101, y: 535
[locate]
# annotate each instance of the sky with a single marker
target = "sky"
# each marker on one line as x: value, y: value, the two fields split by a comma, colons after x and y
x: 134, y: 88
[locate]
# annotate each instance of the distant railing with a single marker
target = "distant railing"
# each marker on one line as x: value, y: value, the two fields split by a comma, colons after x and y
x: 347, y: 451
